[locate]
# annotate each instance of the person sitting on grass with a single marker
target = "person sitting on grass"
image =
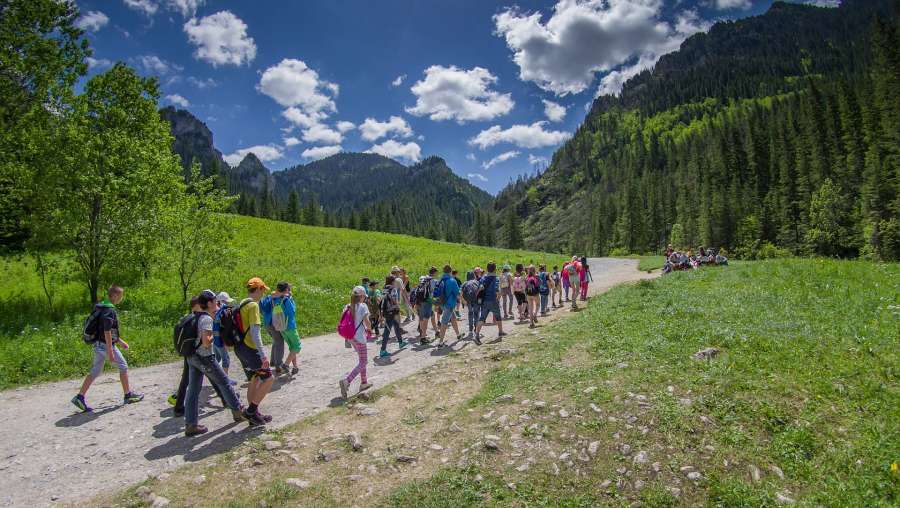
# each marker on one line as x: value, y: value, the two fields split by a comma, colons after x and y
x: 105, y: 330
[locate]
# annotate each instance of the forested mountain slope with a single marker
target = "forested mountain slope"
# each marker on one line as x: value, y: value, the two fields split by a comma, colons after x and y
x: 780, y: 129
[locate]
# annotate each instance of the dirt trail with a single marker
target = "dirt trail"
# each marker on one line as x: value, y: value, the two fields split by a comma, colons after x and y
x: 49, y: 453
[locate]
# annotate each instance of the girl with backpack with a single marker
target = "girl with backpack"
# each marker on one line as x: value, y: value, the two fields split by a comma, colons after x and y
x: 532, y: 292
x: 518, y: 285
x: 362, y: 329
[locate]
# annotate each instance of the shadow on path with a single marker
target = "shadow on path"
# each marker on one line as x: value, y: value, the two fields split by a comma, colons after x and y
x: 79, y: 419
x: 188, y: 448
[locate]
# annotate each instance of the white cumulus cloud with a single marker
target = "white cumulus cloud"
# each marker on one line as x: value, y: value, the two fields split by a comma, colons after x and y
x: 477, y: 176
x: 291, y: 141
x: 410, y: 152
x: 524, y: 136
x: 153, y: 64
x: 303, y: 119
x: 91, y: 21
x: 505, y: 156
x: 221, y: 39
x: 451, y: 93
x: 321, y: 133
x: 320, y: 152
x: 583, y: 37
x: 178, y: 100
x: 554, y: 112
x: 264, y: 153
x: 344, y: 126
x: 97, y: 63
x: 292, y: 83
x: 536, y: 160
x: 146, y: 7
x: 187, y: 8
x: 398, y: 80
x: 373, y: 130
x: 733, y: 4
x: 202, y: 83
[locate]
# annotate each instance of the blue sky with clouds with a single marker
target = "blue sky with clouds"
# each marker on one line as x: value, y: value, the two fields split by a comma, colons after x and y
x: 493, y: 87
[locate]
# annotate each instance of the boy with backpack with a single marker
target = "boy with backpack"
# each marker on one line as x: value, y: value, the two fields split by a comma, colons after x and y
x: 101, y: 330
x: 284, y: 321
x: 544, y: 289
x: 390, y: 312
x: 244, y: 331
x: 470, y: 298
x: 488, y: 300
x: 422, y: 300
x: 446, y: 293
x: 178, y: 398
x: 193, y: 340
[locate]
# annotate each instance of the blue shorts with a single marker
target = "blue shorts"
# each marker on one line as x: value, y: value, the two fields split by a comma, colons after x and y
x: 425, y: 311
x: 447, y: 314
x: 487, y: 308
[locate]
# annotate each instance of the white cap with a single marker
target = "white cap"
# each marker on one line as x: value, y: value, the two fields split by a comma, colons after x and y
x: 359, y: 290
x: 223, y: 297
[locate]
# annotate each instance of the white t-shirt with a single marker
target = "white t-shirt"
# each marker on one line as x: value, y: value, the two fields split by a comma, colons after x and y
x: 204, y: 325
x: 362, y: 310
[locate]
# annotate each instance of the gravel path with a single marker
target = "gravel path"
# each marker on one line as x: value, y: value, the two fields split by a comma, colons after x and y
x: 49, y: 453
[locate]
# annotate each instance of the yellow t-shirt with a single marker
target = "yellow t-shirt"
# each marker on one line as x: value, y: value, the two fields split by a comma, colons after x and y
x: 250, y: 316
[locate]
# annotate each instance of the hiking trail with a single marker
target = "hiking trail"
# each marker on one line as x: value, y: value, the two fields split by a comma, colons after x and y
x: 50, y: 453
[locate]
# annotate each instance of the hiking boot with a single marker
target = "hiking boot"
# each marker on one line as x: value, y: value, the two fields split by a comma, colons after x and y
x: 195, y: 430
x: 384, y: 354
x: 344, y: 386
x: 365, y: 386
x: 132, y: 397
x: 79, y: 402
x: 238, y: 415
x: 172, y: 400
x: 255, y: 420
x: 295, y: 370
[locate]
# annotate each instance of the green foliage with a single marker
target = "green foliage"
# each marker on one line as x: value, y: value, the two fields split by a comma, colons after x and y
x: 322, y: 263
x: 119, y: 177
x: 829, y: 232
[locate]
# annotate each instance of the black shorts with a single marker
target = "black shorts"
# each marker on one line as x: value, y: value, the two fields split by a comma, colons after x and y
x: 251, y: 361
x: 520, y: 298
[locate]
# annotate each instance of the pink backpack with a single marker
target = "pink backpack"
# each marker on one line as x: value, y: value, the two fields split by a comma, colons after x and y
x: 345, y: 326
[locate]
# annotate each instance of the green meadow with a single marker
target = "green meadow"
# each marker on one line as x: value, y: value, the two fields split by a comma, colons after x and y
x: 322, y: 263
x: 802, y: 403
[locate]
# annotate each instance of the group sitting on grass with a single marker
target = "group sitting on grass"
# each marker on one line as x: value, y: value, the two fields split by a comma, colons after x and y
x: 677, y: 260
x: 217, y: 324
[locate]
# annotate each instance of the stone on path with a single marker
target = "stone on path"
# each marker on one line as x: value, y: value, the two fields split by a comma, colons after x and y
x: 355, y: 441
x: 272, y: 445
x: 297, y: 483
x: 783, y: 498
x: 777, y: 470
x: 406, y: 458
x: 640, y: 458
x: 707, y: 353
x: 158, y: 502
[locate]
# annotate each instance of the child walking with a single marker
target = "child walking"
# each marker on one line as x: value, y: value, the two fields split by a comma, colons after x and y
x: 360, y: 314
x: 284, y: 319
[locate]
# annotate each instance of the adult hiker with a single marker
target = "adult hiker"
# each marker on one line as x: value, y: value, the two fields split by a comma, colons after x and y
x: 518, y: 286
x: 544, y: 288
x: 101, y: 330
x: 532, y: 292
x: 506, y: 293
x: 201, y: 362
x: 565, y: 276
x: 178, y: 398
x: 284, y: 321
x: 488, y: 300
x: 251, y: 353
x: 359, y: 312
x: 447, y: 295
x: 469, y: 293
x: 556, y: 289
x: 390, y: 312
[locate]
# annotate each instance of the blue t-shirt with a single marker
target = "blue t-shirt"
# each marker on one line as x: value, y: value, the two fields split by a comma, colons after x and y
x: 450, y: 294
x: 491, y: 285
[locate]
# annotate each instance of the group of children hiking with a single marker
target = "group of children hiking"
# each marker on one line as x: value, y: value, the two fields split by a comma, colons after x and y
x: 217, y: 322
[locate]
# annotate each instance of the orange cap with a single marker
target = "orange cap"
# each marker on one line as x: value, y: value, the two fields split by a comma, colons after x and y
x: 256, y: 283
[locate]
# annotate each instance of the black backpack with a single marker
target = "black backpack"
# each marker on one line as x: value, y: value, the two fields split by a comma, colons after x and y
x: 470, y: 291
x: 389, y: 305
x: 420, y: 294
x: 91, y: 326
x: 231, y: 327
x: 185, y: 336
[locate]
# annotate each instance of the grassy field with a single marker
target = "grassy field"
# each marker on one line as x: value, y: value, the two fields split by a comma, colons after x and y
x: 647, y: 263
x: 322, y: 263
x: 803, y: 402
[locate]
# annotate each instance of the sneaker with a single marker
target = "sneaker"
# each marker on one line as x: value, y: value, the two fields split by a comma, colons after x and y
x: 402, y: 344
x: 344, y: 385
x: 265, y: 418
x: 238, y: 415
x: 384, y: 354
x: 458, y: 315
x: 254, y: 419
x: 195, y: 430
x: 172, y: 400
x: 79, y: 402
x: 424, y: 341
x: 477, y: 339
x: 132, y: 397
x: 178, y: 414
x: 502, y: 334
x: 460, y: 336
x: 295, y: 370
x: 441, y: 344
x: 365, y: 386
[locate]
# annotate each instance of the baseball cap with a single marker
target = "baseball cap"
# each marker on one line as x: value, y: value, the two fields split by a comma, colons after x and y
x: 395, y: 269
x: 224, y: 297
x: 206, y: 296
x: 359, y: 290
x: 256, y: 283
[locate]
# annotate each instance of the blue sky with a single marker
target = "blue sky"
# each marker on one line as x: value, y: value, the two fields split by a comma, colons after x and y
x: 492, y: 87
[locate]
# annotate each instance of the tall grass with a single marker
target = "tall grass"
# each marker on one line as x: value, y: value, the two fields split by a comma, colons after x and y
x: 322, y: 263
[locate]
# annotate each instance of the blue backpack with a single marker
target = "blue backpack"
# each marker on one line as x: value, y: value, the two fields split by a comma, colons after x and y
x: 544, y: 287
x: 438, y: 293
